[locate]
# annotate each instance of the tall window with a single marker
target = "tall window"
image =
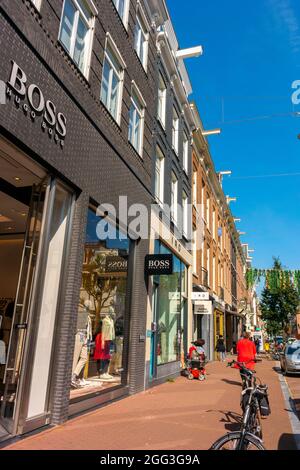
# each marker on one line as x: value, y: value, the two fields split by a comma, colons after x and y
x: 185, y: 214
x: 141, y: 39
x: 136, y: 122
x: 208, y: 265
x: 175, y: 130
x: 37, y: 3
x: 214, y: 227
x: 174, y: 198
x: 111, y: 85
x: 159, y: 175
x: 185, y: 153
x: 122, y: 8
x: 75, y: 33
x: 194, y: 251
x: 195, y: 187
x: 214, y: 274
x: 202, y: 199
x: 162, y: 93
x: 208, y: 210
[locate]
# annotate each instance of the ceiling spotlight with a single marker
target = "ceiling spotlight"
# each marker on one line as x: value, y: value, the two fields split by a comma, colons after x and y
x: 17, y: 178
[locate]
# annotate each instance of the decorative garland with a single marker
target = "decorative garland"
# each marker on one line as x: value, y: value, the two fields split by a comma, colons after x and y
x: 274, y: 278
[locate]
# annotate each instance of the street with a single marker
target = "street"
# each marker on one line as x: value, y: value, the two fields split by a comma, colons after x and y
x: 178, y: 414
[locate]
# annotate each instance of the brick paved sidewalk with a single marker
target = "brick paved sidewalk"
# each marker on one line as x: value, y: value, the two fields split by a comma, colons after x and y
x: 176, y: 415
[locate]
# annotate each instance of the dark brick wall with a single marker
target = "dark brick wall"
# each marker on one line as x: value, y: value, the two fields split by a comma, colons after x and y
x: 96, y: 160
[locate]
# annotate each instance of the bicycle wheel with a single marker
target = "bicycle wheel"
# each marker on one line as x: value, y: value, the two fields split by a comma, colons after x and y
x: 231, y: 440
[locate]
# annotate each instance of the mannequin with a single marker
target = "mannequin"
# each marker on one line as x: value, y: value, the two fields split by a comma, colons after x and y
x: 104, y: 338
x: 82, y: 338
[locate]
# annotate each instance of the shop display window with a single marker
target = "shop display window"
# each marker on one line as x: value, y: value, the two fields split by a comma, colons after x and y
x: 98, y: 362
x: 170, y: 310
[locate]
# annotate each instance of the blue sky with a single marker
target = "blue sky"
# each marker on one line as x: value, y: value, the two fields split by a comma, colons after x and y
x: 251, y: 57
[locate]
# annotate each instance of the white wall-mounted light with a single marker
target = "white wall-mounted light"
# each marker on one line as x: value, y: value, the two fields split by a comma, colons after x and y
x: 196, y: 51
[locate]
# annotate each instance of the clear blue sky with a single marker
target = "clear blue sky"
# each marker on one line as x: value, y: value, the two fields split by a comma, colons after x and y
x: 251, y: 57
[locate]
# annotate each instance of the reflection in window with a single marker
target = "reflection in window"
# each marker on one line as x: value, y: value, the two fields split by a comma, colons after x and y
x: 76, y: 31
x: 99, y: 339
x: 170, y: 310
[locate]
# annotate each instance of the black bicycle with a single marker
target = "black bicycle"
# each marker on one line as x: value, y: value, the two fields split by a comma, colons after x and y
x: 254, y: 403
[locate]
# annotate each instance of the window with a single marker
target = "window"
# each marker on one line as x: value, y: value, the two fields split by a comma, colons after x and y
x: 168, y: 310
x: 37, y: 3
x: 174, y: 198
x: 112, y: 81
x: 162, y: 93
x: 141, y: 39
x: 136, y: 120
x: 202, y: 199
x: 195, y: 187
x: 194, y: 251
x: 208, y: 210
x: 122, y: 8
x: 185, y: 214
x: 214, y: 228
x: 214, y: 274
x: 208, y: 264
x: 175, y: 130
x: 159, y: 175
x: 76, y: 30
x: 185, y: 153
x: 100, y: 336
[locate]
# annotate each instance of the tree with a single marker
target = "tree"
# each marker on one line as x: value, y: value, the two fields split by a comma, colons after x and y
x: 278, y: 301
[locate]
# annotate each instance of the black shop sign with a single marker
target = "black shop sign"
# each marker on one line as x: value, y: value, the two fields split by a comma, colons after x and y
x: 158, y: 265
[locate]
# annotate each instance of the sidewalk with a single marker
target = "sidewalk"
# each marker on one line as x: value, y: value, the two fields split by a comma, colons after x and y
x: 185, y: 415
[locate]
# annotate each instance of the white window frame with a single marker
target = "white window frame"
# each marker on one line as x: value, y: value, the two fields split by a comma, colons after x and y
x: 214, y: 274
x: 125, y: 16
x: 111, y: 49
x: 90, y: 23
x: 175, y: 130
x: 185, y: 151
x: 37, y: 4
x: 174, y: 198
x: 144, y: 26
x: 195, y: 188
x: 185, y: 218
x: 194, y: 251
x: 139, y: 104
x: 208, y: 210
x: 163, y: 100
x: 160, y: 164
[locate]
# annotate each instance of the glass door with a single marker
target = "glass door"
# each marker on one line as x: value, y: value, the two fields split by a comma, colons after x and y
x: 10, y: 404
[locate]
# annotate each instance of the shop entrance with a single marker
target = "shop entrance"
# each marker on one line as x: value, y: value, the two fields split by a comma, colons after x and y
x: 22, y: 196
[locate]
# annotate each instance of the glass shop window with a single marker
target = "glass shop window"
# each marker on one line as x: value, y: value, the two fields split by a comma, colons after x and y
x: 100, y: 334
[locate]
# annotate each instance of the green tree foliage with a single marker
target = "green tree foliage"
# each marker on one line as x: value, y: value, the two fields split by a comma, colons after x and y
x: 278, y: 301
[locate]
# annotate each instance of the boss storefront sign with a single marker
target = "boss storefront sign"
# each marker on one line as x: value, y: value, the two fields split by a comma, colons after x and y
x: 158, y: 265
x: 36, y: 105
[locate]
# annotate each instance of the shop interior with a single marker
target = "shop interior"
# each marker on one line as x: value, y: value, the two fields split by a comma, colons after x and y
x: 16, y: 183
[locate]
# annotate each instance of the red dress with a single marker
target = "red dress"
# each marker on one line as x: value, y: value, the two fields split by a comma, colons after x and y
x: 101, y: 351
x: 246, y: 352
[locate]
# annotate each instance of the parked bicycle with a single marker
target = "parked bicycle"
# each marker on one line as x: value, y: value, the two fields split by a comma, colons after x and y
x: 254, y: 404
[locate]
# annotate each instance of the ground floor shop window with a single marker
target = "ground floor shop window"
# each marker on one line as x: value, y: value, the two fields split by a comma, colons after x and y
x: 170, y: 310
x: 99, y: 354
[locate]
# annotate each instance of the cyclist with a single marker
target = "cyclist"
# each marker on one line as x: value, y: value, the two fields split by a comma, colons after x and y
x: 246, y: 352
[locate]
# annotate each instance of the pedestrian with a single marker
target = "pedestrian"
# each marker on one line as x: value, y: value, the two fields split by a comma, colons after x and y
x: 220, y: 348
x: 246, y: 352
x: 257, y: 345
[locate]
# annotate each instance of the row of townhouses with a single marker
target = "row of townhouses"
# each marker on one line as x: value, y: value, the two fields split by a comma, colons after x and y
x: 96, y: 126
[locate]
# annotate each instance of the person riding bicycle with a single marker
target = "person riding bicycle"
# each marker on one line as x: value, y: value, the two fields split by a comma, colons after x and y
x: 246, y: 352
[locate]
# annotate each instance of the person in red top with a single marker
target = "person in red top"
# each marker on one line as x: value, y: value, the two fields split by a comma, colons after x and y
x: 246, y: 351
